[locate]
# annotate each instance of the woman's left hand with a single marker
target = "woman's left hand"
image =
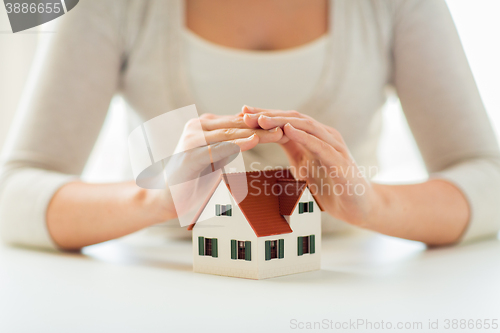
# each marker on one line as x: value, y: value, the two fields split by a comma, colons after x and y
x: 319, y: 155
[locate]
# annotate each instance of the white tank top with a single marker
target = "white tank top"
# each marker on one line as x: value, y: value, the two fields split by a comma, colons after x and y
x: 223, y: 79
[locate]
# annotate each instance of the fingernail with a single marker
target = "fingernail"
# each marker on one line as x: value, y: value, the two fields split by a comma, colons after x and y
x: 273, y: 130
x: 249, y: 108
x: 252, y: 116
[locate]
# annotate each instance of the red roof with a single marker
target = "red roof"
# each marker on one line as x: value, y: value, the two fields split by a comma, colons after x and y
x: 271, y: 194
x: 292, y: 190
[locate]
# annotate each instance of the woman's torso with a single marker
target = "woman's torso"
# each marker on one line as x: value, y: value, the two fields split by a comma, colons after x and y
x: 348, y: 93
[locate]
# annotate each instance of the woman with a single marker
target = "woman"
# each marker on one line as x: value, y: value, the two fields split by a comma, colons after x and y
x: 329, y: 60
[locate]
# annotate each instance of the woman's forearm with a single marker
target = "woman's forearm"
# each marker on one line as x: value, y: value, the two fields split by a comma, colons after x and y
x: 434, y: 212
x: 82, y: 214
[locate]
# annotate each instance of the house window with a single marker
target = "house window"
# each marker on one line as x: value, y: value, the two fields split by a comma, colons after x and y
x: 275, y: 249
x: 306, y: 244
x: 306, y: 207
x: 223, y: 210
x: 241, y: 250
x: 207, y: 247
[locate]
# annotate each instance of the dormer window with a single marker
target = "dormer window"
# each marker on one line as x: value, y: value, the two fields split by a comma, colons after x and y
x: 223, y: 210
x: 306, y: 207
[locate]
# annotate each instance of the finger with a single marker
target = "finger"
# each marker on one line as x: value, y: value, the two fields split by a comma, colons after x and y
x: 188, y: 165
x: 251, y: 109
x: 308, y: 125
x: 247, y: 143
x: 211, y: 122
x: 228, y: 134
x: 271, y: 112
x: 221, y: 150
x: 284, y: 139
x: 322, y: 150
x: 251, y: 120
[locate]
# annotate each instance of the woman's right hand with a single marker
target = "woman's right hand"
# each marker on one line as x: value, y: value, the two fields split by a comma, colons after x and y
x: 226, y: 136
x: 230, y: 128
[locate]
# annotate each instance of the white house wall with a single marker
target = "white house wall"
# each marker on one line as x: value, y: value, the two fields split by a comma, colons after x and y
x: 224, y: 228
x: 307, y: 223
x: 302, y: 225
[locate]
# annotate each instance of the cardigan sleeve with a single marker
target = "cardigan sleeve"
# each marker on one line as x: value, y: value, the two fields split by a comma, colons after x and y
x: 64, y: 110
x: 444, y: 110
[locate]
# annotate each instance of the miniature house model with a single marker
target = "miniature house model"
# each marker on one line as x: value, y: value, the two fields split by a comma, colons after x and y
x: 275, y: 230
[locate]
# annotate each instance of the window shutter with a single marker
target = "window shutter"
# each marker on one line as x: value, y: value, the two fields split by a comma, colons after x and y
x: 201, y: 246
x: 233, y: 248
x: 248, y: 250
x: 215, y: 253
x: 229, y: 210
x: 281, y: 248
x: 300, y: 246
x: 301, y: 207
x: 312, y: 244
x: 217, y: 210
x: 311, y: 206
x: 268, y: 250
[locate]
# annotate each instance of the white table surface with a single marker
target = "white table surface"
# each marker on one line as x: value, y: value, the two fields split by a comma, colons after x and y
x: 145, y: 284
